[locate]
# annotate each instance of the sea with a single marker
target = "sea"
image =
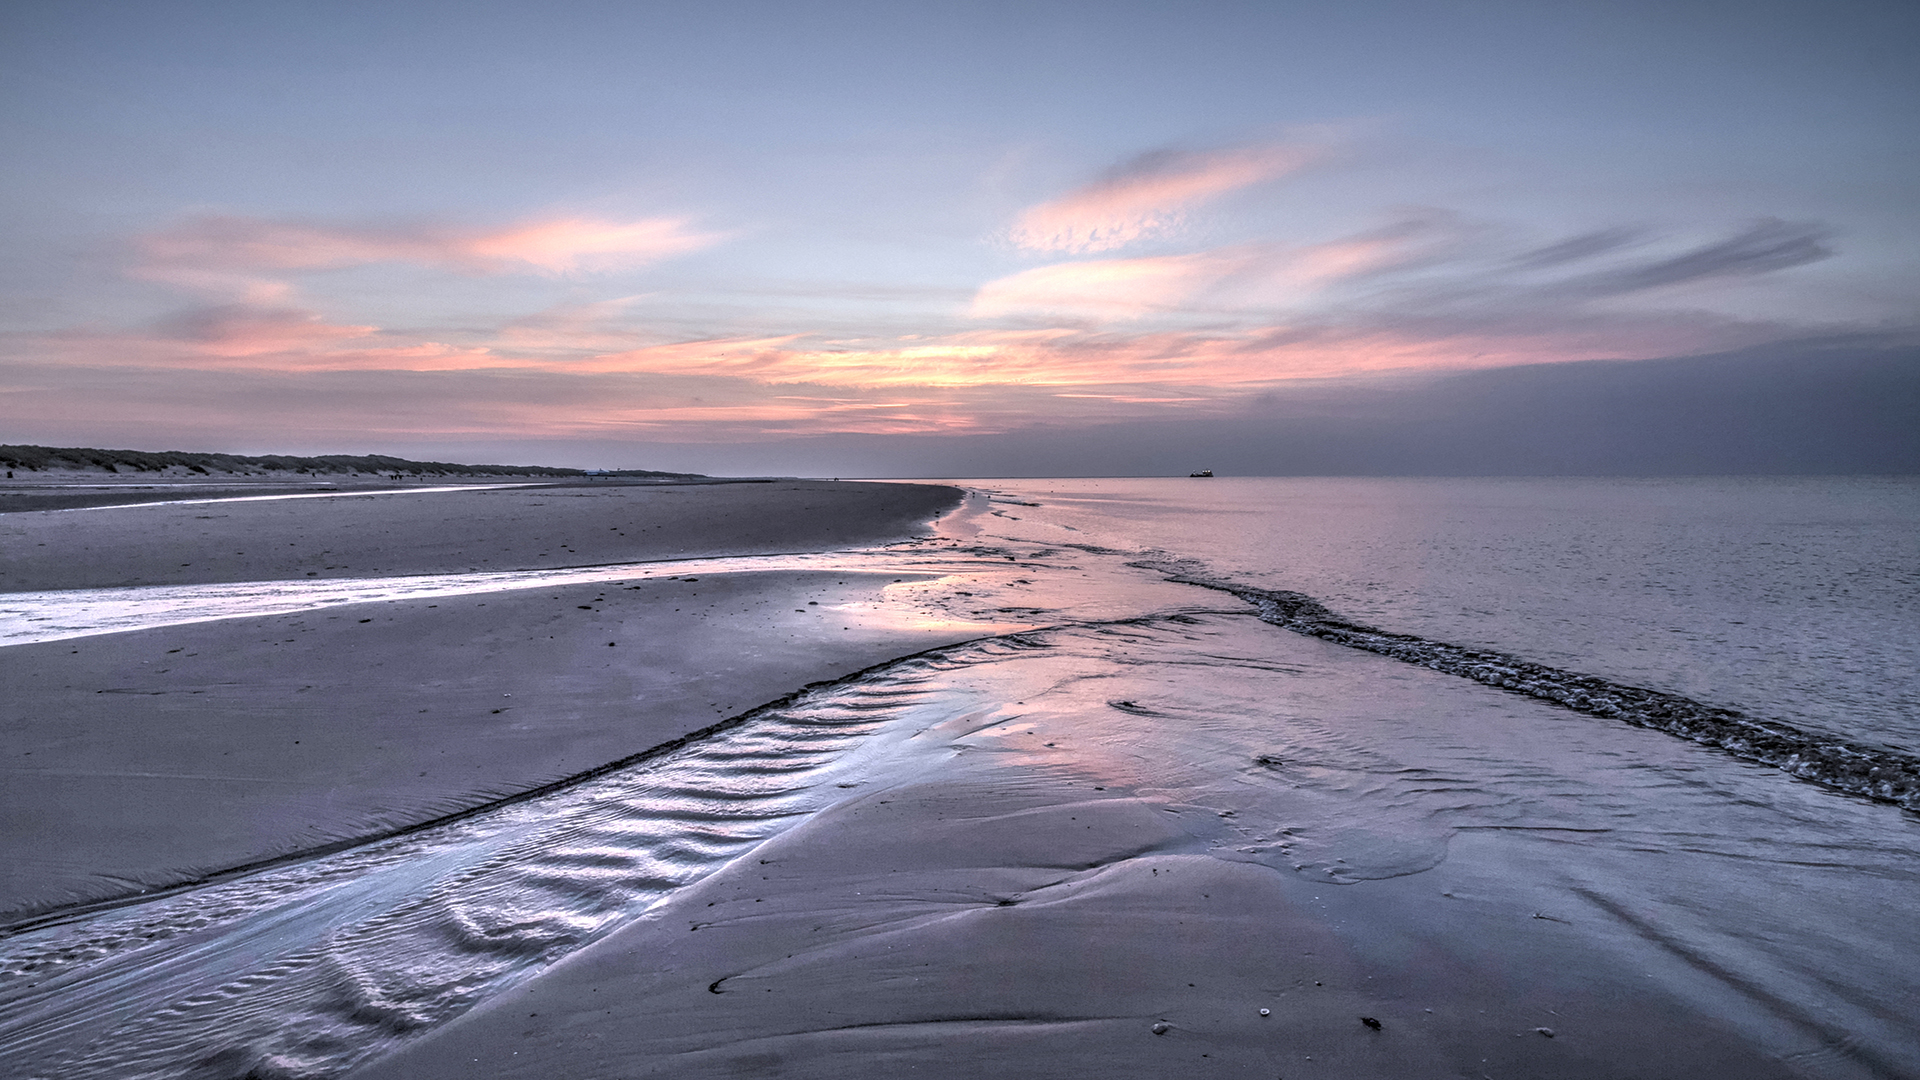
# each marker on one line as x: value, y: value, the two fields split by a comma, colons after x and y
x: 1791, y: 598
x: 1674, y: 720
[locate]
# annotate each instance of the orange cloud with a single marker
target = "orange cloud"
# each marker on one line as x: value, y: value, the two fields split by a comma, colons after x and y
x: 217, y: 247
x: 722, y: 421
x: 1138, y: 363
x: 1149, y: 196
x: 775, y: 361
x: 725, y: 390
x: 734, y: 389
x: 1162, y: 366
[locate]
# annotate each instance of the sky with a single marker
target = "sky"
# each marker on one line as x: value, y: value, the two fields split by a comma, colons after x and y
x: 779, y: 237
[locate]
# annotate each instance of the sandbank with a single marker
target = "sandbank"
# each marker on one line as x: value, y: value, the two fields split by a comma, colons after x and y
x: 450, y: 531
x: 142, y: 760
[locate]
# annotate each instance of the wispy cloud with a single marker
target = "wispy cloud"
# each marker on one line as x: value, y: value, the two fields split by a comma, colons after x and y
x: 1423, y: 291
x: 241, y: 330
x: 727, y: 389
x: 1150, y: 195
x: 1083, y: 340
x: 1166, y: 366
x: 1426, y: 262
x: 221, y: 248
x: 237, y: 337
x: 1243, y: 277
x: 1114, y: 288
x: 582, y: 244
x: 1419, y: 238
x: 1576, y: 248
x: 1761, y: 248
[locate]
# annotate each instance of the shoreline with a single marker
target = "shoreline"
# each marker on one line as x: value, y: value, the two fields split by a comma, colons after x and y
x: 92, y: 491
x: 150, y: 757
x: 998, y: 851
x: 486, y: 528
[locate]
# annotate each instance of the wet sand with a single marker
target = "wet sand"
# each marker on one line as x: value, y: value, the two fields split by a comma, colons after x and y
x: 1102, y: 846
x: 1071, y: 886
x: 146, y: 759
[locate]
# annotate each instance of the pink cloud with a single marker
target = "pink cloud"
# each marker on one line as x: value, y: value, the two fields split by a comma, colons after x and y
x: 733, y: 389
x: 576, y: 243
x: 1114, y: 288
x: 578, y: 368
x: 744, y: 389
x: 1344, y: 258
x: 1163, y: 366
x: 239, y: 330
x: 1243, y: 278
x: 1149, y: 196
x: 785, y: 361
x: 573, y: 327
x: 218, y: 247
x: 751, y: 358
x: 242, y: 337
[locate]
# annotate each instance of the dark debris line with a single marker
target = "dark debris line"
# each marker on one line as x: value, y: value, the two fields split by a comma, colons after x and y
x: 1884, y: 775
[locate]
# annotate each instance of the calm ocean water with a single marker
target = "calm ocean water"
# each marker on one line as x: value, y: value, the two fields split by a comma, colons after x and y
x: 1790, y: 598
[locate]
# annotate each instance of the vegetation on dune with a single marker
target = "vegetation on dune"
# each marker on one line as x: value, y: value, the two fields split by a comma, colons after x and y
x: 37, y: 458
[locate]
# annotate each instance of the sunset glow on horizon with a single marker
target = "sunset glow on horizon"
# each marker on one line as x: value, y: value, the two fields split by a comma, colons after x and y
x: 624, y: 226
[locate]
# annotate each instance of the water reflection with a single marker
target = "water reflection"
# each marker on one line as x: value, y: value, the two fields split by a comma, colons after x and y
x: 1330, y: 766
x: 282, y: 496
x: 28, y: 617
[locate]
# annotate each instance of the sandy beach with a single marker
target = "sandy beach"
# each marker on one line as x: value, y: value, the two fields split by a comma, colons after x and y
x: 147, y: 759
x: 415, y: 532
x: 975, y: 806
